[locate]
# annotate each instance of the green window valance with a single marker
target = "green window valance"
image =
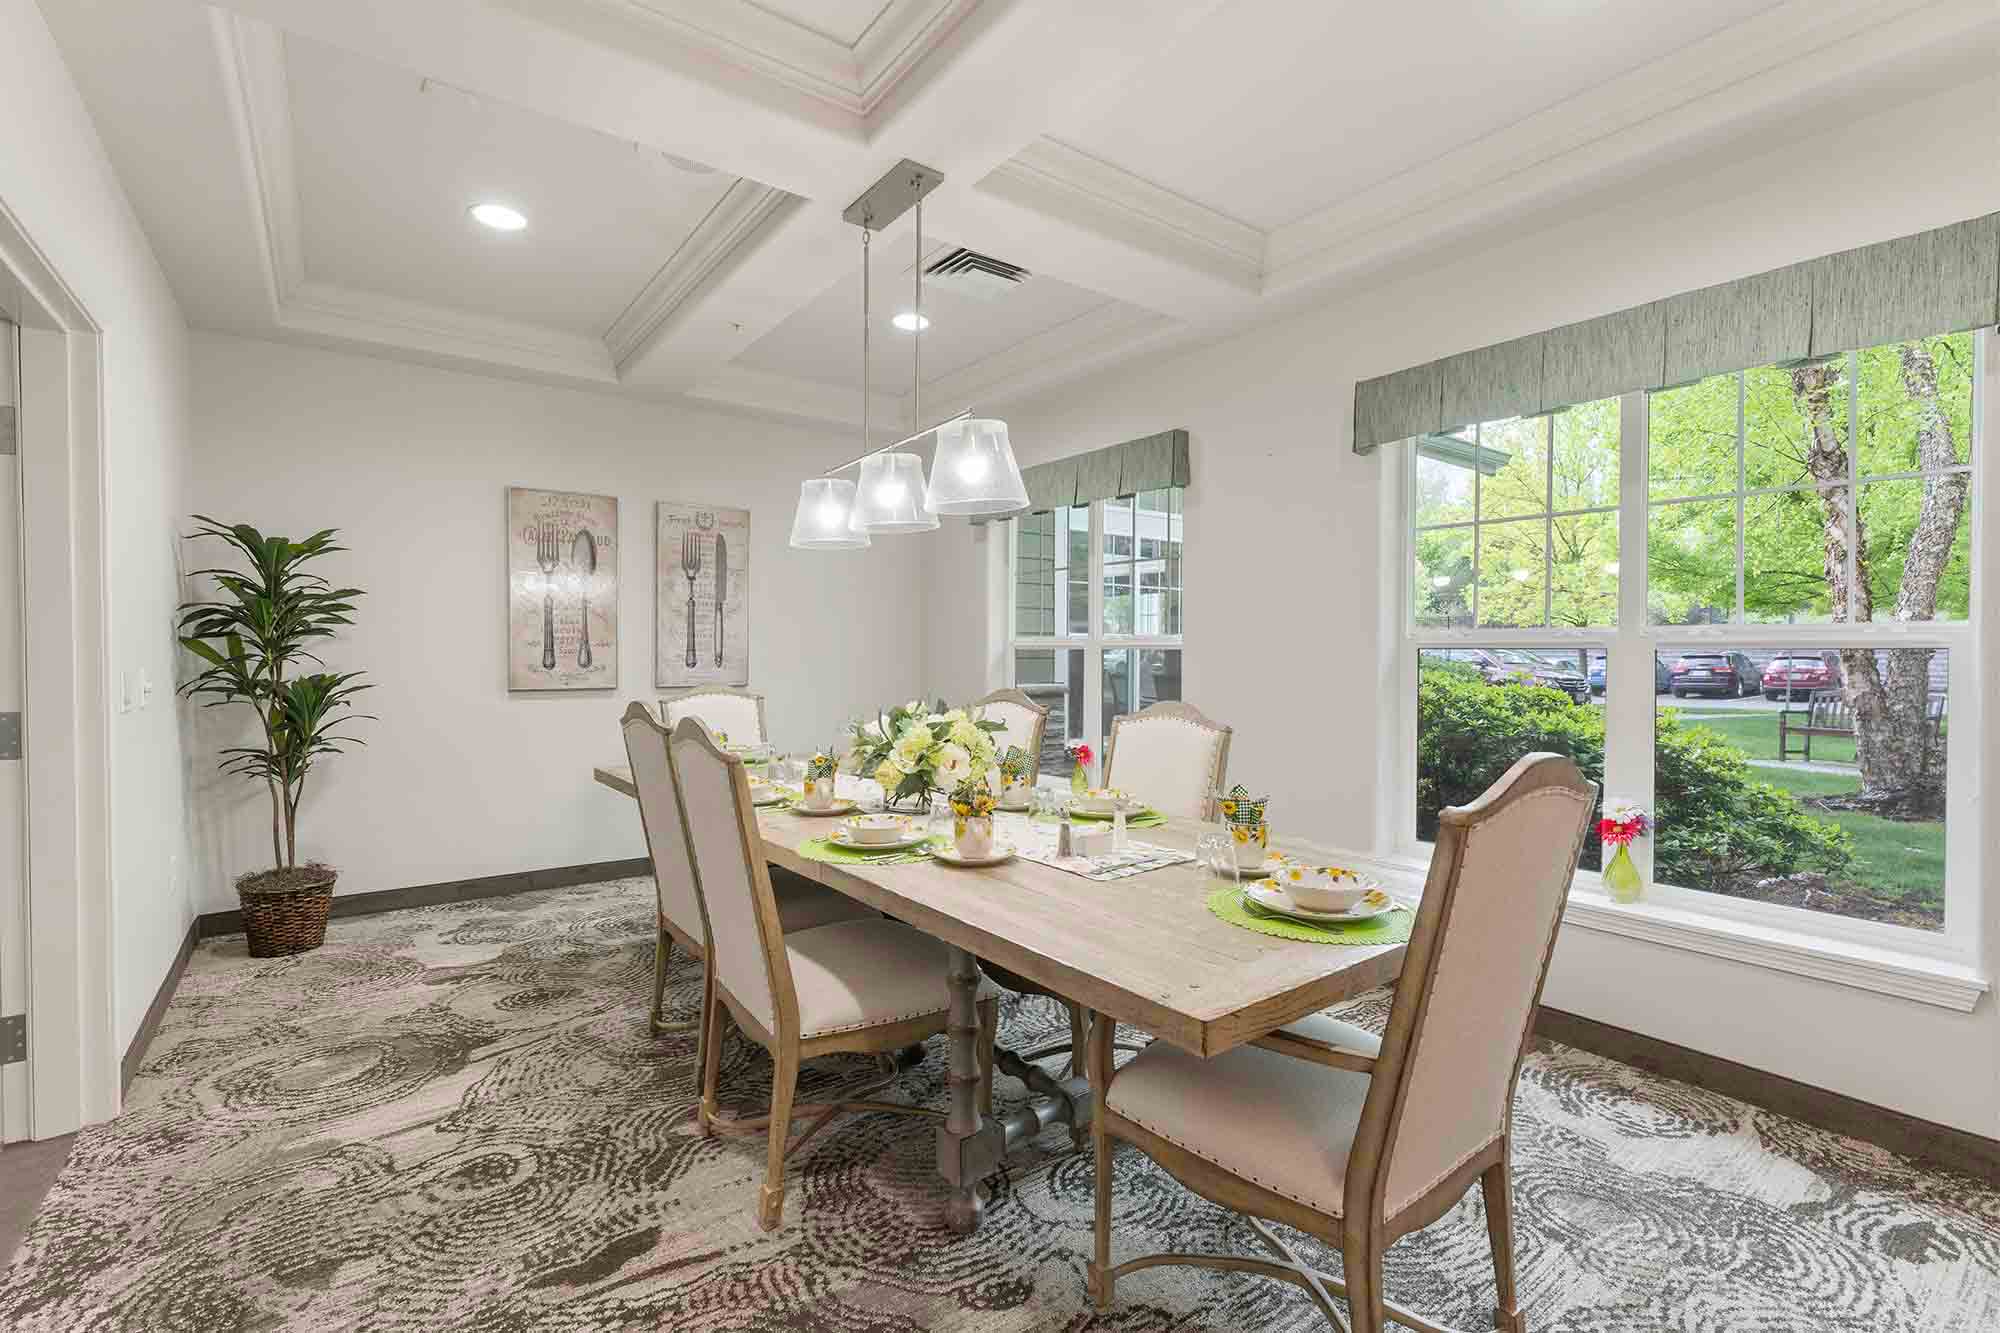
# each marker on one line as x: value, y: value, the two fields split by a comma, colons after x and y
x: 1149, y: 463
x: 1940, y: 281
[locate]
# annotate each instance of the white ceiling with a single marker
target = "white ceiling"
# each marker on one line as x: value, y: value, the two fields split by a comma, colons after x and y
x: 821, y: 341
x: 1167, y: 173
x: 1316, y: 112
x: 387, y: 164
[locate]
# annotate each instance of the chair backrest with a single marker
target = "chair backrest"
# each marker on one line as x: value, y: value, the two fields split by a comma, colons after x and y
x: 665, y: 823
x: 1170, y: 756
x: 737, y: 714
x: 1023, y: 717
x: 746, y: 943
x: 1444, y: 1083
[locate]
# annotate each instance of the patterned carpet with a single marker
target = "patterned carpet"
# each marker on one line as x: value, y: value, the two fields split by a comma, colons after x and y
x: 455, y: 1118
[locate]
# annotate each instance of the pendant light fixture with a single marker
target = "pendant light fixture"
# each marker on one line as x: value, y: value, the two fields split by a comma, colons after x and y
x: 973, y: 471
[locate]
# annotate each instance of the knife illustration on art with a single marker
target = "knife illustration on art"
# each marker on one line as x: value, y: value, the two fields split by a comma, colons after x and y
x: 583, y: 554
x: 721, y: 590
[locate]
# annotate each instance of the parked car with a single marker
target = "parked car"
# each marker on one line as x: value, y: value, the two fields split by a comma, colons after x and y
x: 1727, y: 675
x: 1513, y: 666
x: 1662, y: 679
x: 1797, y: 675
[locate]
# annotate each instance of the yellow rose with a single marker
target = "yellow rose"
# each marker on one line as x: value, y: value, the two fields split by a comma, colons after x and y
x: 888, y: 775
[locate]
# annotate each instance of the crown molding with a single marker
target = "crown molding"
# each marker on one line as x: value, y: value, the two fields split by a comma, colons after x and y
x: 1053, y: 178
x: 252, y: 55
x: 854, y: 79
x: 1710, y: 87
x: 1070, y: 349
x: 718, y: 240
x: 438, y: 332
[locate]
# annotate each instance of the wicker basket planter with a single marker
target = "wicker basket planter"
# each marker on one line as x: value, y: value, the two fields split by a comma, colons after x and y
x: 284, y: 911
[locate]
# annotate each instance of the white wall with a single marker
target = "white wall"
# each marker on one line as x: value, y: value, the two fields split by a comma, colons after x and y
x: 57, y: 182
x: 459, y: 778
x: 1296, y: 663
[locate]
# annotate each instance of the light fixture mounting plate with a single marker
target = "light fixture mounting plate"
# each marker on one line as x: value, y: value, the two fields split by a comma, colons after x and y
x: 901, y: 188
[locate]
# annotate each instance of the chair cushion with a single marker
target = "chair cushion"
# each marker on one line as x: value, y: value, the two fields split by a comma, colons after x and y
x: 864, y: 974
x: 1280, y: 1122
x: 803, y: 904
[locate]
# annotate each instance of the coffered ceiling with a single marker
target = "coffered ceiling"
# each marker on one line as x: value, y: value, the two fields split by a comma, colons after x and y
x: 1164, y: 173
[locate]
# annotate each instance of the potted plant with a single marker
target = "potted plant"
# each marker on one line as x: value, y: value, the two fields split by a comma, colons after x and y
x: 254, y: 638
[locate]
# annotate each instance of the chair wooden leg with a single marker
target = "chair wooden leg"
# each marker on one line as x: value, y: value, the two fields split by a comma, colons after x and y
x: 1362, y: 1263
x: 784, y: 1088
x: 1101, y: 1281
x: 663, y: 954
x: 711, y: 1051
x: 989, y: 1030
x: 1493, y: 1185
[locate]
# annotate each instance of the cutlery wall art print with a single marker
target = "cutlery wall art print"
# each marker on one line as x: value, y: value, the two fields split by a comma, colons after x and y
x: 562, y: 590
x: 702, y: 587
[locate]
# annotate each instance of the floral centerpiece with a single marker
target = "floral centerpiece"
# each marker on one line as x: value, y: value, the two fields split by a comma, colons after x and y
x: 821, y: 768
x: 1622, y: 822
x: 1081, y: 756
x: 916, y: 751
x: 972, y: 806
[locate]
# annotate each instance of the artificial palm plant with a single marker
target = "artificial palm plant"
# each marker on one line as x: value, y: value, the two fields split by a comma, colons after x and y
x: 256, y: 639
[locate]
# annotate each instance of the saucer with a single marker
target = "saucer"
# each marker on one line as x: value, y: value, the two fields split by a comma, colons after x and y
x: 840, y: 807
x: 1001, y: 853
x: 1268, y: 897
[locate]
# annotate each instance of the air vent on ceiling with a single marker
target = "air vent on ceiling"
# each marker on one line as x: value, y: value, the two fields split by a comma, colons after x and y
x: 972, y: 274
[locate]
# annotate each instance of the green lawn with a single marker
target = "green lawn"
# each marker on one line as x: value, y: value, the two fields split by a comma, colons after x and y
x: 1756, y: 734
x: 1892, y: 859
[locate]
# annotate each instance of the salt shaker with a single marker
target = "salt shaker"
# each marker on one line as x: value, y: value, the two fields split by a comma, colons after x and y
x: 1118, y: 843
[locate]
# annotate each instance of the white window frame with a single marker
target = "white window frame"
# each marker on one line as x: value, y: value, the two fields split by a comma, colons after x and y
x: 1630, y: 706
x: 1096, y: 642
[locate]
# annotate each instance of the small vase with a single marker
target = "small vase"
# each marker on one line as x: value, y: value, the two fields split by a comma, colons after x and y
x: 1621, y: 877
x: 1079, y: 779
x: 972, y: 835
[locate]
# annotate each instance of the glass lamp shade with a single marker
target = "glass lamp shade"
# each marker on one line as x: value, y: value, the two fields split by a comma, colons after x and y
x: 890, y: 496
x: 973, y: 471
x: 825, y: 505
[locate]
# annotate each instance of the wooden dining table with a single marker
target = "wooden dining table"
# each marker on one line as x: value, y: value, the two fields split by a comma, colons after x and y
x: 1143, y: 950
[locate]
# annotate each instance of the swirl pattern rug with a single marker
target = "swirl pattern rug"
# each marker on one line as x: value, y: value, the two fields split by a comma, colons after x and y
x: 455, y: 1118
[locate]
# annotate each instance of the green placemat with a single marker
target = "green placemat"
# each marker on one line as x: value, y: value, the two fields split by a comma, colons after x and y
x: 1392, y: 928
x: 1147, y: 818
x: 819, y: 849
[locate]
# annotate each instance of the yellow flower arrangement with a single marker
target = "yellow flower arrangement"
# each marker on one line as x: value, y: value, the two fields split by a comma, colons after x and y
x: 1228, y: 808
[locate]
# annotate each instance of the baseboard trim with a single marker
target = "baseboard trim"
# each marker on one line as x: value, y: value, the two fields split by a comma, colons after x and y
x: 213, y: 924
x: 1906, y: 1135
x: 135, y: 1053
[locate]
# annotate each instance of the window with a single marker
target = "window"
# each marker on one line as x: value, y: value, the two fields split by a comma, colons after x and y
x: 1802, y: 597
x: 1096, y: 621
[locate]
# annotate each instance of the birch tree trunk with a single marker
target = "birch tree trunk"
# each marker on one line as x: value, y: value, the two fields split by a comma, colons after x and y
x: 1888, y: 693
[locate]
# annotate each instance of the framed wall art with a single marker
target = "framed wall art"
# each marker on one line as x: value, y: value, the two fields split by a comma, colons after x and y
x: 702, y: 591
x: 562, y: 590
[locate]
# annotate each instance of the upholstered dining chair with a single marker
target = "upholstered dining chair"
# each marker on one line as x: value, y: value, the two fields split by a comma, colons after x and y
x: 1355, y: 1140
x: 801, y: 903
x: 1171, y: 756
x: 868, y: 986
x: 1023, y: 718
x: 737, y: 714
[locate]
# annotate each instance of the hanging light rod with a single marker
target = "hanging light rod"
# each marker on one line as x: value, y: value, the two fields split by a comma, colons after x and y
x: 959, y: 415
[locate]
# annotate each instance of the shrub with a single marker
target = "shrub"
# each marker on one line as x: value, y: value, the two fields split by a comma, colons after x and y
x: 1717, y: 824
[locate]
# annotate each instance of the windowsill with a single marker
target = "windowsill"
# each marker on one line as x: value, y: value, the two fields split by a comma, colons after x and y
x: 1886, y: 971
x: 1912, y: 976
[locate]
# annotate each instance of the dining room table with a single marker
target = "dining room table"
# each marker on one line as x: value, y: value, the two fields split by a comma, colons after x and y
x: 1143, y: 950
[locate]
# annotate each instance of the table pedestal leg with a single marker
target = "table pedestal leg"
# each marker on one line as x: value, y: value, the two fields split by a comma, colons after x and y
x: 969, y: 1147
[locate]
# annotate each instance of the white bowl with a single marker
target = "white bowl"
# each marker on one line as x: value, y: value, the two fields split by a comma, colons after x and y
x: 878, y: 828
x: 1101, y: 801
x: 1323, y: 888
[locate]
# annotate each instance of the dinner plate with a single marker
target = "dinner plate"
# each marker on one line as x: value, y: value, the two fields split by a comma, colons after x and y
x: 1135, y: 812
x: 768, y: 796
x: 1270, y: 898
x: 840, y: 837
x: 841, y: 807
x: 1000, y: 855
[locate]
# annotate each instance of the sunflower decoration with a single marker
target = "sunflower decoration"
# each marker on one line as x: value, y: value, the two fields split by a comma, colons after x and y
x: 972, y: 798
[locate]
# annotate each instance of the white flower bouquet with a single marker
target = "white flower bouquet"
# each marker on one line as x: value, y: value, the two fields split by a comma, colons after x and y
x: 915, y: 750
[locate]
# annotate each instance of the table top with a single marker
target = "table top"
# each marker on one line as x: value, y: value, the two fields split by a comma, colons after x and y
x: 1144, y: 949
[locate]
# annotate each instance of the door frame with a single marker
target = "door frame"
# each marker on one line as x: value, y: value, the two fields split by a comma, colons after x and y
x: 73, y: 1059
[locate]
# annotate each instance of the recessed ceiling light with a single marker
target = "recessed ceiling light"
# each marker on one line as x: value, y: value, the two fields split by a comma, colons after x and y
x: 498, y: 216
x: 911, y: 322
